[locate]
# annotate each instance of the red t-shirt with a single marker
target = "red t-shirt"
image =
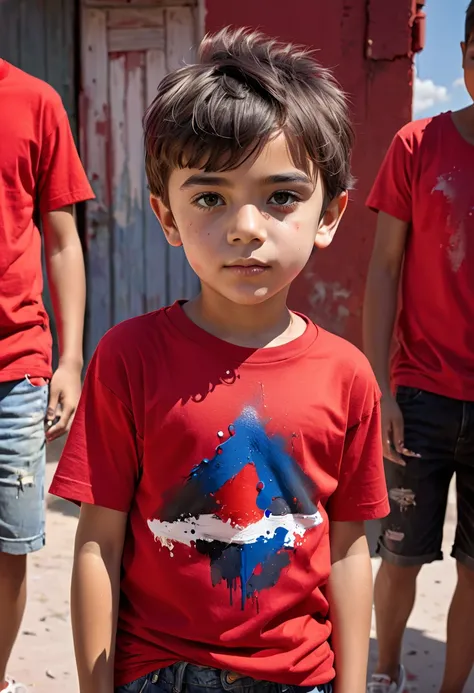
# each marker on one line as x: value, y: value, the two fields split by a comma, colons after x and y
x: 427, y: 180
x: 39, y: 170
x: 228, y: 461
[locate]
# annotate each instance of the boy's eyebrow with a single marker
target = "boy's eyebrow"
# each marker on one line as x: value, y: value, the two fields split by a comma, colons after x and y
x: 291, y: 177
x: 206, y: 179
x: 203, y: 179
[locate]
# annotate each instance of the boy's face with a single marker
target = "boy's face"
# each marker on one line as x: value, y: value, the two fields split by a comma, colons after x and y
x: 249, y: 232
x: 468, y: 65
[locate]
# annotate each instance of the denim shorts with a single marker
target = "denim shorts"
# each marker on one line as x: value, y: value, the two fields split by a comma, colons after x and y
x: 22, y: 466
x: 187, y: 678
x: 441, y: 431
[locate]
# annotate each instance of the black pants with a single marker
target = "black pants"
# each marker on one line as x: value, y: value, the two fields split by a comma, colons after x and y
x: 441, y: 430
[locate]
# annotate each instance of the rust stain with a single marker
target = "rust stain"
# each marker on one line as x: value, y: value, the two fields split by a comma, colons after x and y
x: 101, y: 128
x: 134, y: 60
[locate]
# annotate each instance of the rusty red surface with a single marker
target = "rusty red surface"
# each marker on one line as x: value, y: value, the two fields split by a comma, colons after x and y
x: 369, y: 44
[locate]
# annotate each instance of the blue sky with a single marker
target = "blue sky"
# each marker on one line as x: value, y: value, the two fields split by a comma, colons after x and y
x: 439, y: 65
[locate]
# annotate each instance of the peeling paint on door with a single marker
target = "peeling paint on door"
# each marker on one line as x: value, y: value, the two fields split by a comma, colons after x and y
x: 127, y: 51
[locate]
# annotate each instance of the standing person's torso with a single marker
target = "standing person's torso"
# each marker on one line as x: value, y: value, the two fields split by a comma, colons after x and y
x: 435, y: 328
x: 39, y: 172
x: 226, y: 557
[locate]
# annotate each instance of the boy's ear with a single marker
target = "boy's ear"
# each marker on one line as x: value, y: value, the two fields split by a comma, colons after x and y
x: 166, y: 219
x: 330, y: 220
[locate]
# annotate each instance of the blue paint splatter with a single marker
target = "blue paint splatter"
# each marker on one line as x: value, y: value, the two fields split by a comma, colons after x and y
x: 280, y: 475
x: 282, y: 489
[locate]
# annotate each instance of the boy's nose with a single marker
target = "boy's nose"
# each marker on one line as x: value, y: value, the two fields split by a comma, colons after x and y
x: 248, y: 226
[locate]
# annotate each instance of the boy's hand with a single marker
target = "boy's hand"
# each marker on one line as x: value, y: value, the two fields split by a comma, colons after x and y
x: 393, y: 432
x: 64, y: 393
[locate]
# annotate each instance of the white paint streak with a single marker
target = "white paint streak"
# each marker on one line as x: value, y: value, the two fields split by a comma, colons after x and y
x: 134, y: 113
x: 119, y: 141
x: 211, y: 528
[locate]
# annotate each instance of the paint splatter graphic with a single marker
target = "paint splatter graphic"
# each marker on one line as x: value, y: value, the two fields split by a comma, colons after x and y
x: 458, y: 197
x: 247, y: 509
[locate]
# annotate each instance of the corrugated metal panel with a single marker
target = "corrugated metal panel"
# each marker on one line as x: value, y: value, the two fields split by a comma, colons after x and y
x: 95, y: 146
x: 38, y: 37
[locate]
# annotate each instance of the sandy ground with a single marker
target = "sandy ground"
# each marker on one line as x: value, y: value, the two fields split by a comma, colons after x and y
x: 43, y: 657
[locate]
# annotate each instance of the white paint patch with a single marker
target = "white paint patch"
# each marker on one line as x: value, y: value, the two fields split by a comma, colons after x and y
x: 323, y: 291
x: 211, y: 528
x: 456, y: 249
x: 444, y: 185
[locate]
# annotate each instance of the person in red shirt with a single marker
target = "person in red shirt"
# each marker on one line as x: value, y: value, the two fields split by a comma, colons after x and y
x: 424, y: 196
x: 41, y: 178
x: 226, y: 451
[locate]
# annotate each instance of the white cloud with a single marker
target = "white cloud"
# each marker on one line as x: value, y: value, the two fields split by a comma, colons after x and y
x: 427, y: 94
x: 458, y: 82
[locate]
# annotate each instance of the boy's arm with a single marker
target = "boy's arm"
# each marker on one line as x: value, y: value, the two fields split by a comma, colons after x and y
x: 61, y: 183
x: 100, y: 468
x: 95, y: 595
x: 391, y: 197
x: 360, y: 495
x: 65, y: 266
x: 380, y: 308
x: 350, y: 599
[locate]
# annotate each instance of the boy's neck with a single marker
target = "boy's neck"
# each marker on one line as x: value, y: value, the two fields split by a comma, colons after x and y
x: 257, y: 326
x: 464, y: 122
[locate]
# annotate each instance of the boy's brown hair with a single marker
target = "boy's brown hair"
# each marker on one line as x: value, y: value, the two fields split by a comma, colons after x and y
x: 244, y: 88
x: 469, y: 29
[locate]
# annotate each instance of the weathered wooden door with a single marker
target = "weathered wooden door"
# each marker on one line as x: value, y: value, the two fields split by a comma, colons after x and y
x: 127, y: 49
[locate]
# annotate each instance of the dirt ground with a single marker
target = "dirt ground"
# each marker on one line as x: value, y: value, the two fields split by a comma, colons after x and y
x: 43, y: 657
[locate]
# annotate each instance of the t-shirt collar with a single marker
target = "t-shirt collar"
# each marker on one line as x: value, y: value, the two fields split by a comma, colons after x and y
x: 180, y: 321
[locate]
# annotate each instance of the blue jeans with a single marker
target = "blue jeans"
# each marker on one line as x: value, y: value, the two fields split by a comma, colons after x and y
x: 22, y: 466
x: 187, y: 678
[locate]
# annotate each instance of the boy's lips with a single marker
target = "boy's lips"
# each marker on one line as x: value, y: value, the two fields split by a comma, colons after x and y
x: 247, y: 262
x: 247, y: 267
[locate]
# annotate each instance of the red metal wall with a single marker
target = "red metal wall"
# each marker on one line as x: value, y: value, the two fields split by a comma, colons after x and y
x: 368, y: 43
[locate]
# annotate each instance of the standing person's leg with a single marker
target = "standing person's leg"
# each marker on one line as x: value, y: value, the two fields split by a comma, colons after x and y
x: 412, y: 534
x: 22, y: 470
x: 460, y: 637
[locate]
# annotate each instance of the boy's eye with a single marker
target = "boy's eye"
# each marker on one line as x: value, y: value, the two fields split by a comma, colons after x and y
x: 208, y: 200
x: 283, y: 198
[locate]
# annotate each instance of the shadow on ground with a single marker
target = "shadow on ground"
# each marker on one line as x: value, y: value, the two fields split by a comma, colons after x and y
x: 58, y: 505
x: 54, y: 450
x: 54, y: 504
x: 424, y: 661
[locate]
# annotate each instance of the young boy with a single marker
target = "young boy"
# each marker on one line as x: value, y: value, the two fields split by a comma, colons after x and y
x: 226, y: 450
x: 40, y: 177
x: 425, y: 199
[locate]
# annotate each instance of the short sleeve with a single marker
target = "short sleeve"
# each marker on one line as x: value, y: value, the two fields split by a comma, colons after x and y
x: 361, y: 493
x: 392, y: 190
x: 62, y: 180
x: 101, y: 460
